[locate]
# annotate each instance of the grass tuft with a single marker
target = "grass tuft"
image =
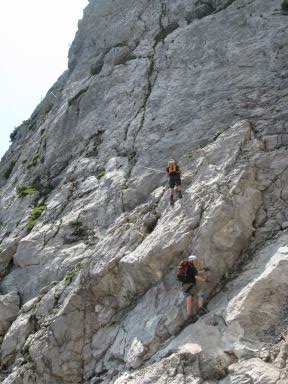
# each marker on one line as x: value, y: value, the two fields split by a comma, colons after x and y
x: 188, y: 154
x: 75, y: 97
x: 100, y: 173
x: 69, y: 275
x: 34, y: 216
x: 24, y: 190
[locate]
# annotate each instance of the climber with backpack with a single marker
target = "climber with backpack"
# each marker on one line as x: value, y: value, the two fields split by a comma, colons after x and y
x: 174, y: 174
x: 188, y: 275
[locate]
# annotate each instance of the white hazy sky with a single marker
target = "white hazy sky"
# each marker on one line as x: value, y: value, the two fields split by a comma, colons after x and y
x: 35, y: 36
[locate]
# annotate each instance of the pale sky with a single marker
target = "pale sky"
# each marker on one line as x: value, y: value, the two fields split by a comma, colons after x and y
x: 35, y: 36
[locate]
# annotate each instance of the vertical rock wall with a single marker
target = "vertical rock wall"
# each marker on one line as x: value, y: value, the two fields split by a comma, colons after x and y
x: 89, y: 244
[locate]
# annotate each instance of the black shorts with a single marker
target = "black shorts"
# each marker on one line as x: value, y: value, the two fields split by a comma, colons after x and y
x: 189, y: 289
x: 174, y: 180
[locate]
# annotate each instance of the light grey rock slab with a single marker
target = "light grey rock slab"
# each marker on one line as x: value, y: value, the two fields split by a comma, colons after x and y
x: 253, y: 297
x: 255, y: 370
x: 16, y: 336
x: 9, y: 307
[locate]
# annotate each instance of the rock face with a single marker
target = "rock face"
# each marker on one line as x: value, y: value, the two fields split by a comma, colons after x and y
x: 89, y: 243
x: 9, y: 307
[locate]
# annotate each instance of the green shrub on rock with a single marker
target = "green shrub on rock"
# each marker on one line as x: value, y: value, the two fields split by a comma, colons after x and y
x: 34, y: 216
x: 188, y: 154
x: 284, y: 5
x: 100, y: 173
x: 13, y: 134
x: 70, y: 274
x: 47, y: 107
x: 75, y: 97
x: 25, y: 123
x: 24, y: 190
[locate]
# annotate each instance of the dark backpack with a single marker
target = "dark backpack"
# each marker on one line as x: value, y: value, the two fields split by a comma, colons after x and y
x: 187, y: 272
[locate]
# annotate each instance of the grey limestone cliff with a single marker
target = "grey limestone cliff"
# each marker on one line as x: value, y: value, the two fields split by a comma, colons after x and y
x: 88, y: 242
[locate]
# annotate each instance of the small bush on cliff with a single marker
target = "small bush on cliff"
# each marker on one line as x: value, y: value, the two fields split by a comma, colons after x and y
x: 25, y: 124
x: 47, y: 107
x: 34, y: 216
x: 75, y: 97
x: 79, y: 233
x: 13, y: 134
x: 69, y: 275
x: 188, y: 154
x: 76, y: 224
x: 24, y: 190
x: 284, y: 5
x: 100, y: 173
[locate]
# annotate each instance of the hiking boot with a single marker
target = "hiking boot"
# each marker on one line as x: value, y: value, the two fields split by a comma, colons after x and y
x: 194, y: 318
x: 190, y: 320
x: 202, y: 311
x: 180, y: 194
x: 171, y: 201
